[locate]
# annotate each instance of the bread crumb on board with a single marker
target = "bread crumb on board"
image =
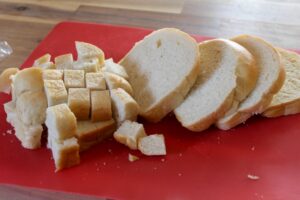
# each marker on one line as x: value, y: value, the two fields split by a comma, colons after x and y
x: 132, y: 158
x: 253, y: 177
x: 252, y: 148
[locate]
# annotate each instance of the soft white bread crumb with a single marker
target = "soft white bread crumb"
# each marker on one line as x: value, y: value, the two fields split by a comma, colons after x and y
x: 5, y: 80
x: 114, y: 81
x: 100, y: 106
x: 29, y: 135
x: 64, y: 61
x: 56, y: 92
x: 88, y: 65
x: 32, y: 113
x: 287, y: 100
x: 162, y: 68
x: 44, y: 62
x: 270, y: 80
x: 95, y: 81
x: 65, y: 153
x: 112, y: 67
x: 129, y: 133
x: 123, y: 105
x: 61, y: 122
x: 90, y: 133
x: 29, y: 79
x: 79, y: 102
x: 53, y: 74
x: 87, y: 51
x: 132, y: 158
x: 74, y: 78
x: 228, y: 75
x: 152, y: 145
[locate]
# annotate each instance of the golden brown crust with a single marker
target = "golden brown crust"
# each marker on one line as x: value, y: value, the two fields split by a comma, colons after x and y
x: 69, y: 157
x: 289, y: 108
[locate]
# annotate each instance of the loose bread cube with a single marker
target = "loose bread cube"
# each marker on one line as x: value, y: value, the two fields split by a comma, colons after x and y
x: 101, y: 106
x: 56, y: 92
x: 61, y: 122
x: 90, y: 133
x: 64, y: 61
x: 112, y: 67
x: 52, y: 74
x: 114, y: 81
x: 79, y: 102
x: 87, y: 51
x: 123, y: 105
x: 65, y: 153
x: 95, y: 81
x: 152, y: 145
x: 89, y: 65
x: 129, y: 133
x: 74, y: 78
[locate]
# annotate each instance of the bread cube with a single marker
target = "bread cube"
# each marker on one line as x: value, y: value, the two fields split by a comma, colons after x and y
x: 87, y: 51
x: 79, y: 102
x: 52, y: 74
x: 100, y: 106
x: 129, y: 133
x: 61, y: 122
x: 56, y: 92
x: 95, y: 81
x: 152, y: 145
x: 74, y: 78
x: 114, y: 81
x: 89, y: 65
x: 115, y: 68
x: 123, y: 105
x: 65, y: 153
x: 64, y: 61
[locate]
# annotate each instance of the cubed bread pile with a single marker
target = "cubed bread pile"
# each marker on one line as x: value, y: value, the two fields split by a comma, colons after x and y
x: 221, y: 82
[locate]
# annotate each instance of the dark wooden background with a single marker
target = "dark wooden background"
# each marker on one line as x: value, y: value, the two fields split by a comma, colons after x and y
x: 24, y: 23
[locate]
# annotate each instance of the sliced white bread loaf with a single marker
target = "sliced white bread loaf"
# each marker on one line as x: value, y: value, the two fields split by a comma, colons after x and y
x: 228, y: 75
x: 270, y: 80
x: 161, y: 69
x: 287, y: 100
x: 124, y: 107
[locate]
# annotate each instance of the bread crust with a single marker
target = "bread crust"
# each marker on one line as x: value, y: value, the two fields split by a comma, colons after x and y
x: 241, y: 116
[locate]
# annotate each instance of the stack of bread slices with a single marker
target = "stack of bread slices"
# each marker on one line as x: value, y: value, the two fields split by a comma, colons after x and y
x: 221, y: 82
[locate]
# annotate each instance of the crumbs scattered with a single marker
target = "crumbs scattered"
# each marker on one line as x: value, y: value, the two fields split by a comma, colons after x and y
x: 218, y: 138
x: 109, y: 151
x: 253, y: 177
x: 180, y: 154
x: 252, y: 148
x: 155, y: 168
x: 98, y: 169
x: 179, y: 174
x: 9, y: 131
x: 162, y: 160
x: 132, y: 158
x: 104, y: 163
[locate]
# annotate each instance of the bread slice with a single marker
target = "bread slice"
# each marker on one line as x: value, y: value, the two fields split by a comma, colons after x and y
x: 95, y: 81
x: 161, y: 69
x: 53, y: 74
x: 87, y: 51
x: 124, y: 107
x: 129, y: 134
x: 228, y: 75
x: 79, y: 102
x: 74, y: 78
x: 65, y: 153
x: 152, y: 145
x: 112, y: 67
x: 270, y: 80
x: 64, y: 61
x: 90, y: 133
x: 56, y: 92
x: 287, y: 100
x: 114, y: 81
x: 61, y: 122
x: 100, y: 106
x: 5, y: 79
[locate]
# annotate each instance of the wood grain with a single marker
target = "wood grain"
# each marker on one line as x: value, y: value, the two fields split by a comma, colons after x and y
x: 24, y: 23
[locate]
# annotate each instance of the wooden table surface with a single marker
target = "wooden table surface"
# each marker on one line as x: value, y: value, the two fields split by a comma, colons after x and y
x: 24, y: 23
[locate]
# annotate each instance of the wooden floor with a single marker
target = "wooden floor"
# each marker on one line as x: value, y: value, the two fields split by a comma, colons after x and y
x: 24, y: 23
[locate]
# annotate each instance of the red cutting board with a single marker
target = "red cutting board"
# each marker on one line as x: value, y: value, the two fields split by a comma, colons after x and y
x: 212, y: 164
